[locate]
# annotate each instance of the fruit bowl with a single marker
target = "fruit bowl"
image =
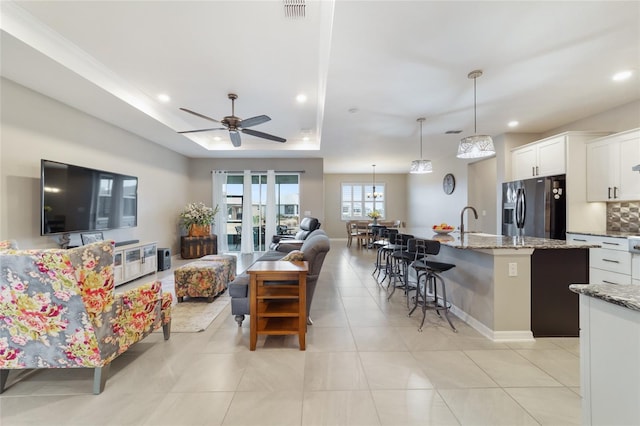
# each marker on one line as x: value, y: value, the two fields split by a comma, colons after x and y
x: 443, y: 229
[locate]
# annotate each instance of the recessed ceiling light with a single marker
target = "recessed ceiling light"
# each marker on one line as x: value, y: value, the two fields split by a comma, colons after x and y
x: 622, y: 75
x: 301, y: 98
x: 217, y: 138
x: 513, y: 124
x: 163, y: 97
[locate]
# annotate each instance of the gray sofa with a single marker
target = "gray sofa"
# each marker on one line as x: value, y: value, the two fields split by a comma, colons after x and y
x: 315, y: 247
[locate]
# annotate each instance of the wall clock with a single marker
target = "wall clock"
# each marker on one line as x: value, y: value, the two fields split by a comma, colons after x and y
x: 448, y: 184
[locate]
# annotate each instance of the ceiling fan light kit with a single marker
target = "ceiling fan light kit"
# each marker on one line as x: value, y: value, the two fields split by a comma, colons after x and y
x: 475, y: 146
x: 421, y: 166
x: 235, y: 125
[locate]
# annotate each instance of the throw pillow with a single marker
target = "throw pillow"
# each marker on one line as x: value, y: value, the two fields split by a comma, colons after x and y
x: 294, y: 255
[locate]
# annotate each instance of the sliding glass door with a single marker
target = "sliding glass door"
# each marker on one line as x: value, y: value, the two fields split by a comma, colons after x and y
x: 287, y: 208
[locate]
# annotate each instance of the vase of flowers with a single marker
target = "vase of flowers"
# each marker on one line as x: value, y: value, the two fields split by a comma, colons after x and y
x: 198, y: 218
x: 374, y: 215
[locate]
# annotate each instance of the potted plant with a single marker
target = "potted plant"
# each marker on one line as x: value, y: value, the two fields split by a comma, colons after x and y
x: 198, y: 218
x: 375, y: 215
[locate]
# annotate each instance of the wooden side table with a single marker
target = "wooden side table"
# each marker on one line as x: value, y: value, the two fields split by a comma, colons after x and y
x: 278, y: 300
x: 194, y: 247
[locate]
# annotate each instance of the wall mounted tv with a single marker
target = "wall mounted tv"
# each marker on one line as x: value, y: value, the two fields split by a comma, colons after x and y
x: 78, y: 199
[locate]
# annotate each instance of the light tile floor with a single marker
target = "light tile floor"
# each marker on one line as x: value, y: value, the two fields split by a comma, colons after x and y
x: 365, y: 364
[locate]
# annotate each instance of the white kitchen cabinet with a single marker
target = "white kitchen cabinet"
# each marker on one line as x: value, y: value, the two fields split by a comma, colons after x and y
x: 134, y: 260
x: 609, y: 367
x: 608, y: 264
x: 609, y: 163
x: 541, y: 158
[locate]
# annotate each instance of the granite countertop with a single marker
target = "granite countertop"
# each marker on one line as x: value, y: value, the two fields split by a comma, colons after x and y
x: 627, y: 296
x: 488, y: 241
x: 613, y: 234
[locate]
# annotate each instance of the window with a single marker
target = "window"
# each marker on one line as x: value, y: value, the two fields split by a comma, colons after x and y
x: 359, y: 199
x: 287, y: 203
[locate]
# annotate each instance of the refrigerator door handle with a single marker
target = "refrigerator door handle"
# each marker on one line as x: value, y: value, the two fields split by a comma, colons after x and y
x: 521, y: 208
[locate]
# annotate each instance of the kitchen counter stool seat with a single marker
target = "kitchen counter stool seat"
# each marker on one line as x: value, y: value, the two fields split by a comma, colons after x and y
x: 429, y: 271
x: 403, y: 254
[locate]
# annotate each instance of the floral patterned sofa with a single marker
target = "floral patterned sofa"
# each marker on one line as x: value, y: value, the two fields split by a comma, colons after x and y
x: 58, y: 309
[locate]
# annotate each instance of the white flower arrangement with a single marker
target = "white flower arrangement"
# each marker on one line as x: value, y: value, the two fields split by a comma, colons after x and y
x: 198, y: 214
x: 374, y: 214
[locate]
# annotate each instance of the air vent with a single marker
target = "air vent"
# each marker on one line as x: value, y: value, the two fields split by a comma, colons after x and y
x: 294, y: 9
x: 452, y: 132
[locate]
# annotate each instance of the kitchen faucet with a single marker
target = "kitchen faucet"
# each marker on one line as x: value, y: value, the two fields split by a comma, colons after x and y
x: 475, y: 213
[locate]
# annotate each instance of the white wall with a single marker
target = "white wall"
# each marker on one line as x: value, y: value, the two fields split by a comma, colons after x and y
x: 483, y: 194
x: 618, y: 119
x: 34, y: 127
x: 427, y: 204
x: 395, y: 198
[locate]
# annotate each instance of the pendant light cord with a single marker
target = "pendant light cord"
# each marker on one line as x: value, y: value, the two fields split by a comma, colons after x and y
x: 475, y: 119
x: 421, y: 140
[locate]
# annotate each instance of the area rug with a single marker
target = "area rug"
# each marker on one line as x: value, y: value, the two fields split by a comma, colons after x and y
x: 195, y: 315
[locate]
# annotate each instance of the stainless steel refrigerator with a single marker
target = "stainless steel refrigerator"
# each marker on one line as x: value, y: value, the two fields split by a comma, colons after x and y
x: 535, y: 207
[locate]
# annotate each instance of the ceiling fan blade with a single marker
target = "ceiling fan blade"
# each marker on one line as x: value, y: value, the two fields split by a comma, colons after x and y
x: 254, y: 121
x: 235, y: 138
x: 199, y: 115
x: 203, y: 130
x: 263, y: 135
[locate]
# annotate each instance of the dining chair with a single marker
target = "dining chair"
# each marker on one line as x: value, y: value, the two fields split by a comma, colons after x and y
x: 363, y: 233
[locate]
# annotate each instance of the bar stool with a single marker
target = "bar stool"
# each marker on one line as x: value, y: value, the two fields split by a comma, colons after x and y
x: 402, y: 255
x: 427, y: 284
x: 385, y: 248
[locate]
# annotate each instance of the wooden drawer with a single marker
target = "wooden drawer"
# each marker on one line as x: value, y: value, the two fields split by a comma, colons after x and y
x: 610, y: 260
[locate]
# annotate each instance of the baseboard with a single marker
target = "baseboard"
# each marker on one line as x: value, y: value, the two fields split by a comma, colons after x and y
x: 496, y: 336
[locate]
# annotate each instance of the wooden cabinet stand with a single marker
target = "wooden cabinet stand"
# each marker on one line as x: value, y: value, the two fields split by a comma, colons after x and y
x: 278, y: 300
x: 194, y: 247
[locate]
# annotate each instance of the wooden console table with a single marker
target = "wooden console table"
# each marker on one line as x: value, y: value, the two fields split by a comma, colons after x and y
x: 278, y: 300
x: 194, y: 247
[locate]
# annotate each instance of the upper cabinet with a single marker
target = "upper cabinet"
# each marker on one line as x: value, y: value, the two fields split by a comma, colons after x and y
x: 542, y: 158
x: 609, y: 163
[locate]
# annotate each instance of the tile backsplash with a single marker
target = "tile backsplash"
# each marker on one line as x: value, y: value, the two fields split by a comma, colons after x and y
x: 623, y: 216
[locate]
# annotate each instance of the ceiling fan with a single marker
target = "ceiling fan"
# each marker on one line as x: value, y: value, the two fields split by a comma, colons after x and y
x: 235, y: 125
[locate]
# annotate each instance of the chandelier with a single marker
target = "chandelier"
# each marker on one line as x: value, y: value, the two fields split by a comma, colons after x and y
x: 374, y: 194
x: 475, y: 146
x: 421, y: 166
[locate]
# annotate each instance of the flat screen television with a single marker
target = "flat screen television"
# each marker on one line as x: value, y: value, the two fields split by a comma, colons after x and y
x: 79, y: 199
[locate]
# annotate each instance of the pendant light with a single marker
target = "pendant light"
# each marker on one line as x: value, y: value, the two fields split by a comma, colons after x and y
x: 475, y: 146
x: 374, y: 194
x: 421, y: 166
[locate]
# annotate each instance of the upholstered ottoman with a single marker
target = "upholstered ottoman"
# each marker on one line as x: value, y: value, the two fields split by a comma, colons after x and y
x: 230, y: 261
x: 201, y: 279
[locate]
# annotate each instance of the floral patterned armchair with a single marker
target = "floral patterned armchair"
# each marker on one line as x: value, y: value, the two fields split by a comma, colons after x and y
x: 58, y: 309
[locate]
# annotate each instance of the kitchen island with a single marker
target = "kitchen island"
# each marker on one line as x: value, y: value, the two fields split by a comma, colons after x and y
x: 513, y: 288
x: 609, y: 353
